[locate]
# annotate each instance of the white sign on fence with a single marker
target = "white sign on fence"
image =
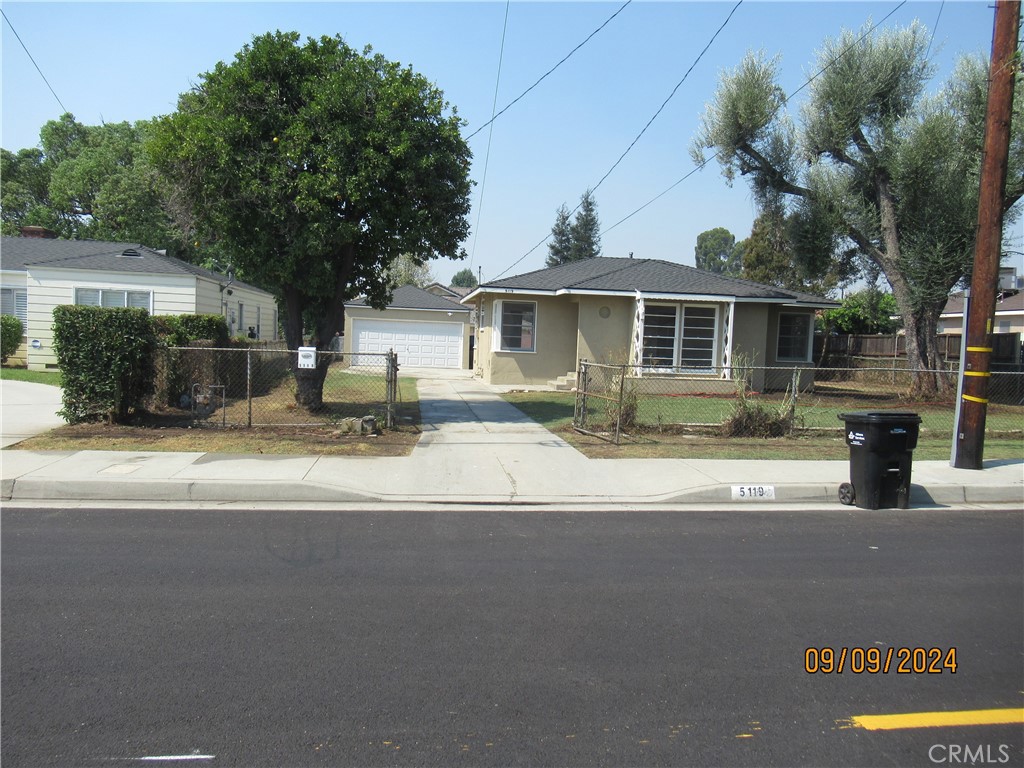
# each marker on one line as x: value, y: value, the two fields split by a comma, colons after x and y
x: 307, y: 357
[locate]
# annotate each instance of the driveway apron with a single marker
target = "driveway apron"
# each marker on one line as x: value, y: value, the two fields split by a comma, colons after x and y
x: 475, y: 443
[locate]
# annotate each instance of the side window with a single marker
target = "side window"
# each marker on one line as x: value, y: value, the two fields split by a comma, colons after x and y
x: 794, y: 337
x: 15, y: 302
x: 517, y: 326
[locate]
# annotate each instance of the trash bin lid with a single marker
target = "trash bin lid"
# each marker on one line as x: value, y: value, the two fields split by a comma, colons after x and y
x: 881, y: 417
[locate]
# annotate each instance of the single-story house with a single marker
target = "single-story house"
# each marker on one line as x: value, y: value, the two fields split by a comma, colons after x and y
x: 424, y: 329
x: 454, y: 292
x: 1009, y: 315
x: 668, y: 319
x: 38, y: 274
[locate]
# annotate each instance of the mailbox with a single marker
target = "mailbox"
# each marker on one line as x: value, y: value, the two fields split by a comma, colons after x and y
x: 307, y: 357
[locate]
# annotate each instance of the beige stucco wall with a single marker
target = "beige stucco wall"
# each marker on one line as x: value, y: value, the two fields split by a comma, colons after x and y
x: 750, y: 334
x: 605, y: 339
x: 781, y: 378
x: 457, y: 315
x: 556, y: 337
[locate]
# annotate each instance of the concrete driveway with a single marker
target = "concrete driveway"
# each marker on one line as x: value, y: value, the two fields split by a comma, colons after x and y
x: 27, y: 409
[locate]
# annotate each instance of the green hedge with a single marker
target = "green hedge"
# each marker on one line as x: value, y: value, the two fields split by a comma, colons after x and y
x: 180, y: 330
x: 106, y: 361
x: 10, y: 336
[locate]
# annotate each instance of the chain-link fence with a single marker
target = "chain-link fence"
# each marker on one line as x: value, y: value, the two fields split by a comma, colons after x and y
x: 612, y: 400
x: 255, y: 387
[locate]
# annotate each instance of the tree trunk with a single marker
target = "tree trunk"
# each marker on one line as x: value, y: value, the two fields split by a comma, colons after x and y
x: 929, y: 379
x: 309, y: 384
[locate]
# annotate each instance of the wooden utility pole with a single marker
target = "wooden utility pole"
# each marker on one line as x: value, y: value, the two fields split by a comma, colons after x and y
x: 970, y: 442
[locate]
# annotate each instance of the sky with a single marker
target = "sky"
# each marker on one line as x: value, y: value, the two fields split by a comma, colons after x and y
x: 111, y: 62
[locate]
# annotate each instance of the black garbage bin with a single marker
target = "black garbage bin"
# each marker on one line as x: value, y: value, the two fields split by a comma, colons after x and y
x: 881, y: 447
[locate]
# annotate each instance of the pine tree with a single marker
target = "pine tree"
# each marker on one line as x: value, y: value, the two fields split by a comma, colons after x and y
x: 586, y: 230
x: 577, y: 239
x: 560, y: 247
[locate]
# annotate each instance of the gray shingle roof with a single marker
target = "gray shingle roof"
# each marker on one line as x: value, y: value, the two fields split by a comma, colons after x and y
x: 647, y: 276
x: 1006, y: 301
x: 411, y: 297
x: 22, y: 253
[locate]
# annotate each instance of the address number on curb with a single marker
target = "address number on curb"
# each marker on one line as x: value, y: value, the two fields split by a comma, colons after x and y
x: 753, y: 492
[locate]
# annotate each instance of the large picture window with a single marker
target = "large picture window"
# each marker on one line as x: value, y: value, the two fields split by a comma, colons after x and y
x: 103, y: 297
x: 517, y: 326
x: 680, y: 336
x: 794, y: 337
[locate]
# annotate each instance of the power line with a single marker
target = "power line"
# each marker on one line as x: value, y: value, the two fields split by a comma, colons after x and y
x: 640, y: 135
x: 675, y: 184
x: 927, y: 53
x: 849, y: 48
x: 542, y: 77
x: 673, y: 93
x: 33, y: 61
x: 790, y: 96
x: 487, y: 155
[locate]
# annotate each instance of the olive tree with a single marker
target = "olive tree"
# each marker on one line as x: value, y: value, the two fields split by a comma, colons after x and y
x: 315, y: 166
x: 875, y: 169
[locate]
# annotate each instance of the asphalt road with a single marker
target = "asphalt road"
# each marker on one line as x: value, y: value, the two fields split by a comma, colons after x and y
x: 504, y: 638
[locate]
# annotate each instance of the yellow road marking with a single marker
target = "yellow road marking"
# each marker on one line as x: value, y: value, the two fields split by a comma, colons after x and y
x: 939, y: 719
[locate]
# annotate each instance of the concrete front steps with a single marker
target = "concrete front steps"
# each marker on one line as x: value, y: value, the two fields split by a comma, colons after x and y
x: 565, y: 383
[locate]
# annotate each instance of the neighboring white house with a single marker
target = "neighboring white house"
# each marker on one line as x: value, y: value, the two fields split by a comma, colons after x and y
x: 38, y: 274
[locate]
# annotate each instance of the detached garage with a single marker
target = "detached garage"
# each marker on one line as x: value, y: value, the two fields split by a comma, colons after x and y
x: 425, y: 330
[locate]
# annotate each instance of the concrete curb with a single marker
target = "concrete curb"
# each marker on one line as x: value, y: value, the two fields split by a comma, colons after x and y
x: 286, y: 492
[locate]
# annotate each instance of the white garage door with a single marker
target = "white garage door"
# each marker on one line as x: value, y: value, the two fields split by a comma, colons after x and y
x: 431, y: 345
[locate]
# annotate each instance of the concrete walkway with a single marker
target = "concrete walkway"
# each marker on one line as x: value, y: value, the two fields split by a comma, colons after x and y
x: 475, y: 449
x: 27, y: 409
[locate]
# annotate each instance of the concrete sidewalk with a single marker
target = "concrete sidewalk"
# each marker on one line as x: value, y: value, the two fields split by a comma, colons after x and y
x: 475, y: 449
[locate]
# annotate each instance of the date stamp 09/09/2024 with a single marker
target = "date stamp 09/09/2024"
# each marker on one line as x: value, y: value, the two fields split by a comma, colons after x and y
x: 874, y: 661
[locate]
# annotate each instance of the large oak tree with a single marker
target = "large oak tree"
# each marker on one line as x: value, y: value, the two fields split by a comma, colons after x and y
x: 875, y: 167
x: 315, y: 166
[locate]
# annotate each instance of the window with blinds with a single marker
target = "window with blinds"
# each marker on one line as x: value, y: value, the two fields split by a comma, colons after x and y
x: 680, y: 336
x: 14, y: 301
x: 104, y: 297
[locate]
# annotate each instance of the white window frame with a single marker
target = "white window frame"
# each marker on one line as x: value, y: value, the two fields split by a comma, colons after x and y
x: 808, y: 351
x: 125, y: 291
x: 498, y: 345
x: 18, y: 297
x: 716, y: 340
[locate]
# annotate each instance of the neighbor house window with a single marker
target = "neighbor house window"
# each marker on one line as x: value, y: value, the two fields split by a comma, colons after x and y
x: 794, y: 337
x: 680, y: 336
x: 517, y: 326
x: 14, y: 301
x: 102, y: 297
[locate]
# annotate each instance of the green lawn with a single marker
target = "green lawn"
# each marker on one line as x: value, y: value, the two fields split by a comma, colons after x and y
x: 37, y: 377
x: 554, y: 410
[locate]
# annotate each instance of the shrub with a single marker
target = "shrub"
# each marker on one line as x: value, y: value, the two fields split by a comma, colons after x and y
x: 751, y: 418
x: 106, y: 361
x: 181, y: 330
x: 10, y: 336
x: 174, y: 374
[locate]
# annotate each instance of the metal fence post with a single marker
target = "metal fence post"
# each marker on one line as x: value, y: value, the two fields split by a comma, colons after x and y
x: 618, y: 414
x: 582, y: 384
x: 248, y: 384
x: 390, y: 387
